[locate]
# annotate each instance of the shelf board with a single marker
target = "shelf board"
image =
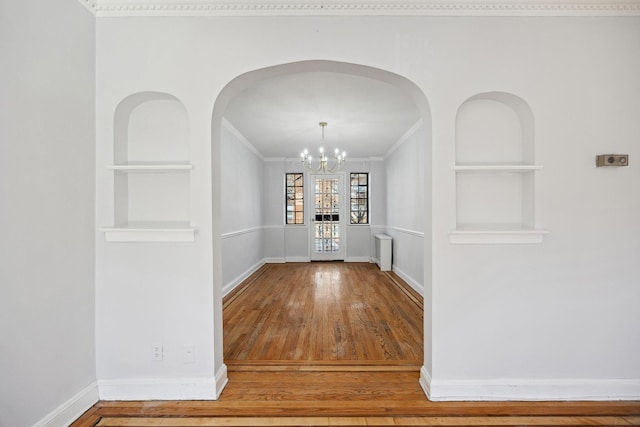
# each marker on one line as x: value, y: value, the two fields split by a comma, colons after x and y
x: 496, y: 234
x: 151, y: 167
x: 495, y: 167
x: 150, y: 232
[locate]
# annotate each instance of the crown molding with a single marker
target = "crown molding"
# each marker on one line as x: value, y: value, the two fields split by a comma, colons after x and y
x: 243, y: 139
x: 225, y: 8
x: 90, y: 5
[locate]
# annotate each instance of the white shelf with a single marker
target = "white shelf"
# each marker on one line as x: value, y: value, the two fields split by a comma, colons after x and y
x: 496, y: 234
x: 151, y: 167
x: 495, y: 167
x: 150, y: 232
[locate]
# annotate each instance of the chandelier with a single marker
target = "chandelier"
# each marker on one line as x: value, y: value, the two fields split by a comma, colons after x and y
x: 323, y: 164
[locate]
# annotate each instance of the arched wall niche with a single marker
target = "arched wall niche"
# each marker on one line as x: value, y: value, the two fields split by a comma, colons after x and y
x: 151, y: 163
x: 151, y: 127
x: 495, y: 170
x: 249, y: 79
x: 495, y: 127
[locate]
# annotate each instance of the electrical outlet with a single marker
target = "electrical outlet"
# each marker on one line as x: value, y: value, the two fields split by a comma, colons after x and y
x: 189, y: 353
x: 156, y: 352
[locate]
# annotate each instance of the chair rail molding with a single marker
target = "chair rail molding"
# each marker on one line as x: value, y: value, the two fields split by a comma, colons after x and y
x: 107, y: 8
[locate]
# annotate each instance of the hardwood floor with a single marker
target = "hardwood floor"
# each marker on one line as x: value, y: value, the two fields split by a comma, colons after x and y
x: 328, y: 344
x: 323, y: 313
x: 348, y: 399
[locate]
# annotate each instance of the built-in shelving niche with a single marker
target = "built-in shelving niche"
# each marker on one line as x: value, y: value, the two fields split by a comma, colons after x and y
x: 151, y: 169
x: 495, y: 171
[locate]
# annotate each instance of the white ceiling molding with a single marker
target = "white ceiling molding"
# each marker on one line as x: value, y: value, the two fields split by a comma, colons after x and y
x: 408, y: 134
x: 108, y: 8
x: 227, y: 125
x: 89, y: 4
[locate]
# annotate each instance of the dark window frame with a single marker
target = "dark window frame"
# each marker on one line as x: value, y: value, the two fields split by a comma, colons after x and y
x: 357, y: 199
x: 297, y: 210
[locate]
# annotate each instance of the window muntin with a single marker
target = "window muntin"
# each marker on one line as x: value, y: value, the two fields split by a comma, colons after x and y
x: 359, y: 206
x: 294, y: 209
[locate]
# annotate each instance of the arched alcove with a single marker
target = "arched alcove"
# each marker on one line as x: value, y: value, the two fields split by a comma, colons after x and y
x: 252, y: 78
x: 151, y: 165
x: 495, y: 165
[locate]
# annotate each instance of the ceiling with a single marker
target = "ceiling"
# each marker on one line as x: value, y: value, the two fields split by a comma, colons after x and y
x: 280, y: 116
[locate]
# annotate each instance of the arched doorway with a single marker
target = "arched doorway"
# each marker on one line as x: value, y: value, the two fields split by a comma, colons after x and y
x: 250, y: 79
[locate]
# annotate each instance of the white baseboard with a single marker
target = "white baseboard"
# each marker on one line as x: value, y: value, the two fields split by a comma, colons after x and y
x: 357, y: 259
x: 298, y: 259
x: 196, y: 388
x: 425, y: 381
x: 274, y: 260
x: 221, y: 380
x: 71, y: 410
x: 529, y: 390
x: 235, y: 282
x: 410, y: 280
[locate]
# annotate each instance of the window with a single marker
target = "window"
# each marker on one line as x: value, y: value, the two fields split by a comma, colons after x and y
x: 295, y: 198
x: 359, y: 198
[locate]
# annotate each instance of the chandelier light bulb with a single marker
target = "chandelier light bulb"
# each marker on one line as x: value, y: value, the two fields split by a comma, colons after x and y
x: 323, y: 164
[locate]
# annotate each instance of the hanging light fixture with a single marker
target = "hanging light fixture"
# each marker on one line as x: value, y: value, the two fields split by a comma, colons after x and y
x: 323, y: 165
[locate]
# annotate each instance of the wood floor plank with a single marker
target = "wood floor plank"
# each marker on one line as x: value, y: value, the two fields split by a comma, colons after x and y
x: 359, y: 421
x: 323, y: 312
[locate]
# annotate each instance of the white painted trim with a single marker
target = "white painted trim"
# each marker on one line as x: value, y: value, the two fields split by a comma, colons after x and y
x: 497, y: 237
x: 227, y: 125
x: 532, y: 390
x: 425, y: 381
x: 221, y: 380
x: 406, y: 231
x: 107, y: 8
x: 297, y: 259
x: 274, y: 260
x: 153, y: 234
x: 357, y: 259
x: 408, y: 134
x: 409, y: 280
x: 90, y: 5
x: 72, y: 409
x: 241, y: 232
x: 195, y: 388
x: 235, y: 282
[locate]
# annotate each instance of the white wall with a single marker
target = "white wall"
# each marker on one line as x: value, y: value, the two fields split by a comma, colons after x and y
x: 291, y: 242
x: 359, y: 237
x: 273, y: 213
x: 405, y: 205
x: 47, y: 133
x: 508, y: 317
x: 501, y: 315
x: 242, y: 180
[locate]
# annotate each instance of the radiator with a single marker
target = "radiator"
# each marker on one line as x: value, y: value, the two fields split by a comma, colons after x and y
x: 383, y: 251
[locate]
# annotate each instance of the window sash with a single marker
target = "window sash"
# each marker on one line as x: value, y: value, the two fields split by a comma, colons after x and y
x: 294, y: 198
x: 359, y: 193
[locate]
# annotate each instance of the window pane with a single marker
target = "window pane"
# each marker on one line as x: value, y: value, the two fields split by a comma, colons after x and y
x: 294, y: 200
x: 359, y: 206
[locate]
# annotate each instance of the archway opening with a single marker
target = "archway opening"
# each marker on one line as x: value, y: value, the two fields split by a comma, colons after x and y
x: 220, y: 125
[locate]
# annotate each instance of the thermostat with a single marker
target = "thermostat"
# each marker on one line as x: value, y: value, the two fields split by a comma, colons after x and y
x: 612, y: 160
